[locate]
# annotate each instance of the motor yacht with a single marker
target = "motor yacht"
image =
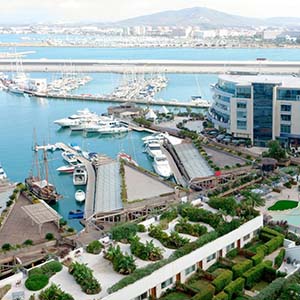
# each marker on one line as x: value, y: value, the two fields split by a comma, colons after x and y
x: 80, y: 175
x: 153, y: 149
x: 80, y: 196
x: 161, y: 166
x: 69, y: 157
x: 3, y: 175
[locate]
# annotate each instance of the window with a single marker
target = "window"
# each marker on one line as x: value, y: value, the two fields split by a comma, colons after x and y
x: 167, y: 283
x: 285, y: 107
x: 288, y: 94
x: 190, y: 270
x: 243, y: 92
x: 242, y: 105
x: 246, y: 237
x: 285, y: 128
x: 241, y: 125
x: 229, y: 247
x: 241, y: 115
x: 142, y: 297
x: 211, y: 257
x: 286, y: 118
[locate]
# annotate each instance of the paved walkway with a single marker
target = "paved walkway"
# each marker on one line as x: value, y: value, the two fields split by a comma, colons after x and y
x: 18, y: 227
x: 142, y: 186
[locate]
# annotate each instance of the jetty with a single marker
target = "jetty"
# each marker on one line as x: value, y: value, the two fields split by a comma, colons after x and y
x: 91, y: 182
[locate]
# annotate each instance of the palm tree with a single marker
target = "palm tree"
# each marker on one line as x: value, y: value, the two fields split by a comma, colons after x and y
x: 126, y: 264
x: 253, y: 199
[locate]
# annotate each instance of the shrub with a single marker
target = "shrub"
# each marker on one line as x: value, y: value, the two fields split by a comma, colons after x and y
x: 270, y: 231
x: 84, y: 277
x: 145, y: 251
x: 124, y: 231
x: 49, y: 236
x: 254, y: 274
x: 274, y: 244
x: 232, y: 253
x: 272, y: 291
x: 227, y: 204
x: 53, y: 292
x: 6, y: 247
x: 141, y: 228
x: 222, y: 280
x: 183, y: 226
x: 221, y: 296
x: 36, y: 282
x: 240, y: 268
x: 28, y: 243
x: 235, y: 288
x: 51, y: 268
x: 258, y: 257
x: 169, y: 215
x: 205, y: 294
x: 279, y: 258
x: 94, y: 247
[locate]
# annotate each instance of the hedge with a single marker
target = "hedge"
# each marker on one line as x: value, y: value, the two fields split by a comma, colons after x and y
x: 222, y: 280
x: 36, y: 282
x: 274, y: 244
x: 124, y: 231
x: 205, y: 294
x: 254, y: 274
x: 235, y: 288
x: 240, y: 268
x: 271, y: 231
x: 272, y: 291
x: 279, y: 258
x: 258, y: 257
x: 221, y: 296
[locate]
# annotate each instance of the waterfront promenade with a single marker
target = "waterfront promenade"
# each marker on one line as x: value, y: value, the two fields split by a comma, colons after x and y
x: 152, y: 66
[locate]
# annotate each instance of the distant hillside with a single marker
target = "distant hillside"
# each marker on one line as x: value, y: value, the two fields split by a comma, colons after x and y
x: 196, y: 16
x: 284, y: 21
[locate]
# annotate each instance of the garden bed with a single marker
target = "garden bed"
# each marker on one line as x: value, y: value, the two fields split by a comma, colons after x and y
x: 283, y: 205
x: 176, y: 296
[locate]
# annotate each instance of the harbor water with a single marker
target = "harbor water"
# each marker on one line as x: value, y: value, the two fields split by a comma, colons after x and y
x: 21, y: 115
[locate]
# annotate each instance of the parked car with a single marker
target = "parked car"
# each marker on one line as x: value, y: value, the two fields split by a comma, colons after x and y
x: 220, y: 137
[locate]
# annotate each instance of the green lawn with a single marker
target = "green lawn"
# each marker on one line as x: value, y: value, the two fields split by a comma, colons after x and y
x: 176, y: 296
x: 239, y: 259
x: 283, y: 205
x: 254, y: 246
x: 199, y: 285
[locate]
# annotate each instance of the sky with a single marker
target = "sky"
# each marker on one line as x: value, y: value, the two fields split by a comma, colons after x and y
x: 32, y: 11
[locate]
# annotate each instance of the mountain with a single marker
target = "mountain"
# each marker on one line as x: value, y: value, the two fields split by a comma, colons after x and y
x: 195, y: 16
x: 283, y: 21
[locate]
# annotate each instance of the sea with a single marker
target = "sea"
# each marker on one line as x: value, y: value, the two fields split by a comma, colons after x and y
x: 21, y: 116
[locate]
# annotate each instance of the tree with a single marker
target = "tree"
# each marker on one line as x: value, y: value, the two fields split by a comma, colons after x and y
x: 253, y: 199
x: 275, y: 151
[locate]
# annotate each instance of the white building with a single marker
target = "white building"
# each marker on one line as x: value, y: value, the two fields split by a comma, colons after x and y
x: 258, y: 107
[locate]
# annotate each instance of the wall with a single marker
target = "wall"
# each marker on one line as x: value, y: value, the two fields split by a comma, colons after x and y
x: 156, y: 278
x: 11, y: 279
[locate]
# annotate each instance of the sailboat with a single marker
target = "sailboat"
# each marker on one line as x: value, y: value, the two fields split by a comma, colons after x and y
x: 41, y: 188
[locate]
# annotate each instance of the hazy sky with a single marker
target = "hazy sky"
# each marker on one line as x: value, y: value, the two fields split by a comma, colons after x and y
x: 111, y: 10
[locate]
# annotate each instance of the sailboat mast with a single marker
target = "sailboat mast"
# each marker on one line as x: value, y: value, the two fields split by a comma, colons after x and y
x: 36, y: 155
x: 46, y: 165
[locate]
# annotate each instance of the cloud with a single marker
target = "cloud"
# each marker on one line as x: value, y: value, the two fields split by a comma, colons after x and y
x: 112, y: 10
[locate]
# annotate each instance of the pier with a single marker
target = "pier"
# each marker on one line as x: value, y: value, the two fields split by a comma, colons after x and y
x: 117, y: 100
x: 153, y: 66
x: 91, y: 182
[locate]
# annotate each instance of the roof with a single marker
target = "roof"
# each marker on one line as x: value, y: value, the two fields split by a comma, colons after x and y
x: 151, y: 114
x: 41, y: 213
x: 194, y: 164
x: 283, y: 80
x: 108, y: 188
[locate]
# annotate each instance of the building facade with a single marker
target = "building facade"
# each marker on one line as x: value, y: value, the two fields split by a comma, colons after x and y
x: 258, y: 107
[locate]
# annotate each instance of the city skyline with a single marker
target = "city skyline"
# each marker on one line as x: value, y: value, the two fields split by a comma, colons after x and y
x: 33, y: 11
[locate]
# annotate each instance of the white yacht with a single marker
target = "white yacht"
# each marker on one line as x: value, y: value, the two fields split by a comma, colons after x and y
x: 69, y: 157
x: 80, y: 196
x: 113, y: 129
x: 200, y: 102
x: 161, y: 166
x: 3, y: 175
x: 153, y: 149
x: 77, y: 119
x: 80, y: 175
x: 156, y: 137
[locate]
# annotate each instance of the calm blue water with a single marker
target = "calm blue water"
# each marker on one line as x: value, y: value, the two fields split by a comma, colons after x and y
x: 20, y: 115
x: 158, y: 53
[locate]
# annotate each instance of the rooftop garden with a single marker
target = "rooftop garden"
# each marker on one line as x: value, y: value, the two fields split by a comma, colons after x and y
x: 246, y: 270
